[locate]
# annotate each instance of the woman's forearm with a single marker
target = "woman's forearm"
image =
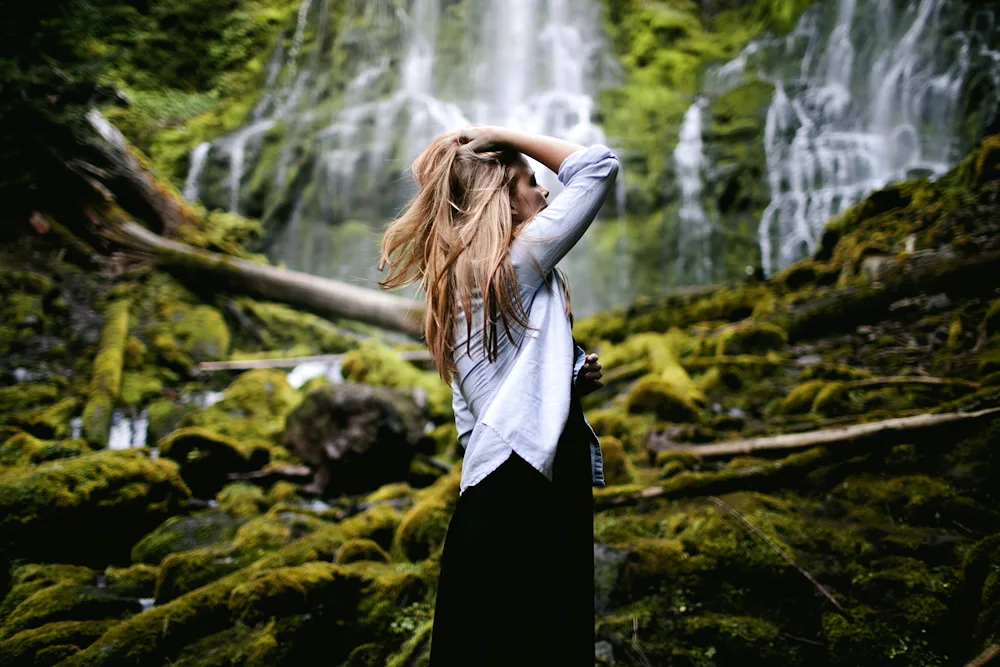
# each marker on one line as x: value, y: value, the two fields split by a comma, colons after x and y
x: 549, y: 151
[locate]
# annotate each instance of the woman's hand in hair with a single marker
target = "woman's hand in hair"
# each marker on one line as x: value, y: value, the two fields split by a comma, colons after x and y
x: 484, y: 138
x: 589, y: 379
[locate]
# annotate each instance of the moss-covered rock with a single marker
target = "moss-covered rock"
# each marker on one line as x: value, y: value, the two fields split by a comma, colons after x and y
x: 376, y: 364
x: 661, y: 398
x: 253, y: 407
x: 423, y: 528
x: 135, y: 581
x: 49, y: 644
x: 137, y: 388
x: 357, y: 437
x: 831, y: 400
x: 205, y: 458
x: 800, y: 399
x: 102, y: 502
x: 26, y: 580
x: 618, y: 468
x: 243, y: 500
x: 750, y: 338
x: 631, y: 430
x: 200, y: 333
x: 67, y: 602
x: 358, y: 550
x: 184, y: 533
x: 22, y: 449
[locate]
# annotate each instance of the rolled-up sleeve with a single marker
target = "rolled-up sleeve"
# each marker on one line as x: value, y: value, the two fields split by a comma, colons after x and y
x: 589, y: 175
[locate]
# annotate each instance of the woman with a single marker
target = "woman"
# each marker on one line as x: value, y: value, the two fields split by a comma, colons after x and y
x: 517, y: 568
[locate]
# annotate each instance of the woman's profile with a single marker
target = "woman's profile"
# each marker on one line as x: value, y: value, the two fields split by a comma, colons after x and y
x: 517, y: 569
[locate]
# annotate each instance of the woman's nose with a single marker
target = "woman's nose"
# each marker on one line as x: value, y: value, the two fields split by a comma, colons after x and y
x: 545, y: 193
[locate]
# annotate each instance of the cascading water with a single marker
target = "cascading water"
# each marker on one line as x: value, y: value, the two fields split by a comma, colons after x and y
x: 324, y: 158
x: 865, y: 94
x: 694, y: 256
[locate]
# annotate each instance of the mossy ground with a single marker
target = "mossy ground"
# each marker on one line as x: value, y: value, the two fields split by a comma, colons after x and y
x: 255, y: 572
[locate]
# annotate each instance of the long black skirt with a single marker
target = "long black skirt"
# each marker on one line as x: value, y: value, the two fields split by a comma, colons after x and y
x: 517, y: 569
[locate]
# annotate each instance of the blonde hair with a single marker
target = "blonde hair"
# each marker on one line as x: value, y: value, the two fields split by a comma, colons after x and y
x: 453, y: 238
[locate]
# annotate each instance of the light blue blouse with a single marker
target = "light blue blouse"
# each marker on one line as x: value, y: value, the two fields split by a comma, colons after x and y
x: 520, y: 402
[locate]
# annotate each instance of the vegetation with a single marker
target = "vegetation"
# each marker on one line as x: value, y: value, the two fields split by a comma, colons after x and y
x: 207, y: 545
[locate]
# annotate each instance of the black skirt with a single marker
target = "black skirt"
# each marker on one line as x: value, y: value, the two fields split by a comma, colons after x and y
x: 517, y: 569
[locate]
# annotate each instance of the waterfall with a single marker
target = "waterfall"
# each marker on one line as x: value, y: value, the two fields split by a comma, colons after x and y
x: 198, y: 157
x: 694, y: 264
x: 865, y: 94
x: 331, y: 140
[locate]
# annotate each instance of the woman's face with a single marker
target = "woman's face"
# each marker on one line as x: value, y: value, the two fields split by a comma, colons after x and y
x: 527, y: 197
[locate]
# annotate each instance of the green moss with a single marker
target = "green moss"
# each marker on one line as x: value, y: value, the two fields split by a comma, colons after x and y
x: 378, y: 523
x: 630, y: 430
x: 253, y: 407
x: 752, y: 337
x: 423, y: 528
x: 393, y: 491
x: 26, y: 580
x: 106, y: 378
x: 283, y: 492
x: 163, y: 415
x: 654, y: 395
x: 831, y: 400
x: 617, y: 467
x: 281, y: 327
x: 135, y: 581
x: 199, y: 332
x: 446, y: 439
x: 800, y: 399
x: 915, y: 499
x: 51, y: 421
x: 137, y: 388
x: 66, y: 602
x: 43, y: 507
x: 22, y: 449
x: 46, y: 644
x: 375, y: 364
x: 242, y: 500
x: 205, y: 458
x: 23, y: 396
x: 991, y: 322
x: 353, y: 551
x: 185, y: 533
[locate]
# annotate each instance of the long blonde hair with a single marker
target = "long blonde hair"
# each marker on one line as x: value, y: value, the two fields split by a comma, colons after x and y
x: 453, y: 237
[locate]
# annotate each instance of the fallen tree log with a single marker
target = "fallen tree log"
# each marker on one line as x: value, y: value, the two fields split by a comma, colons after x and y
x: 823, y: 452
x: 291, y: 362
x: 171, y: 209
x: 322, y: 296
x: 890, y: 431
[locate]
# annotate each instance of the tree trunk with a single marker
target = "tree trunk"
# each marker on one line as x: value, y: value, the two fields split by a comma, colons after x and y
x: 168, y: 205
x: 322, y: 296
x: 890, y: 431
x: 325, y: 297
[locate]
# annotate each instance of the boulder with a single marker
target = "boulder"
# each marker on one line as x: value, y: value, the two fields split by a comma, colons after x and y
x: 356, y: 437
x: 100, y: 503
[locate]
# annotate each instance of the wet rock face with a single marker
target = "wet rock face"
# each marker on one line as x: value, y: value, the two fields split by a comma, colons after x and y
x: 356, y: 437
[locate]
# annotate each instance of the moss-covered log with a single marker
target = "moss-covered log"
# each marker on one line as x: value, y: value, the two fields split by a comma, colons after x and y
x: 171, y: 210
x: 888, y: 432
x: 106, y: 379
x: 323, y: 296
